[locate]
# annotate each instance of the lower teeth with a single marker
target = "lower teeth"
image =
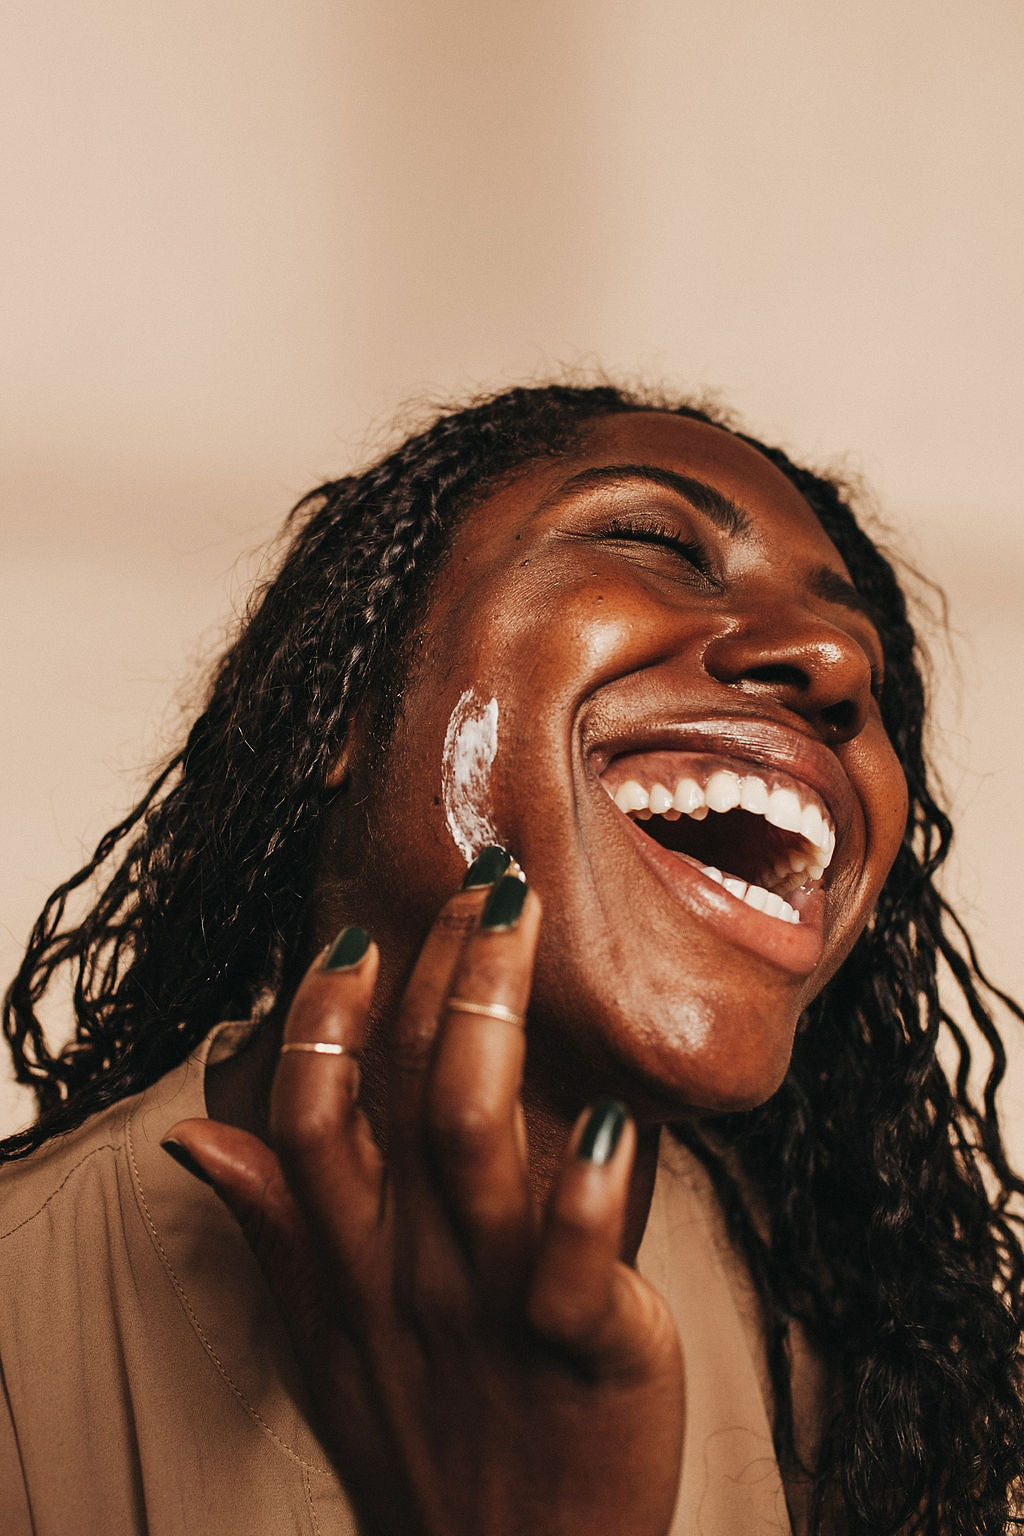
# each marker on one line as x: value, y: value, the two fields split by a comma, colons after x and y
x: 768, y: 902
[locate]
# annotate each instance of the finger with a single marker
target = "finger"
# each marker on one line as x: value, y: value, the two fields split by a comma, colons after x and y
x: 473, y: 1123
x: 321, y: 1136
x: 419, y: 1013
x: 247, y: 1176
x: 430, y: 1280
x: 416, y: 1024
x: 581, y: 1296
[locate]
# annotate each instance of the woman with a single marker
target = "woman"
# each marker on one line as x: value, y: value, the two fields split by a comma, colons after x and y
x: 664, y: 668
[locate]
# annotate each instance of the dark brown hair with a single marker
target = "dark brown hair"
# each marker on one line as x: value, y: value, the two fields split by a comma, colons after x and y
x: 886, y: 1185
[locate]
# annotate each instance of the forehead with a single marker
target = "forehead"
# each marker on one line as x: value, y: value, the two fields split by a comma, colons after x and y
x: 767, y: 499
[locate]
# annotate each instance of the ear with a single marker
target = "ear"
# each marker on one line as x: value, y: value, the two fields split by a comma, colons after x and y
x: 338, y: 772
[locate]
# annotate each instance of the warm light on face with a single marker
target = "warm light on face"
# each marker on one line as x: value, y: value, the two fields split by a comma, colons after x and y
x: 689, y: 631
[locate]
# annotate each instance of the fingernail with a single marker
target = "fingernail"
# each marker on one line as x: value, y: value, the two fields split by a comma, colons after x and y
x: 504, y: 905
x: 347, y: 950
x: 601, y: 1132
x: 184, y: 1158
x: 489, y: 865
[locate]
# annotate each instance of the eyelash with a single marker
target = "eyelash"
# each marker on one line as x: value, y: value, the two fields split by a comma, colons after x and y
x: 641, y: 531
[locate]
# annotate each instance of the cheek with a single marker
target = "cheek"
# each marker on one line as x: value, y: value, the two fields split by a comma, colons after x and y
x: 882, y: 786
x: 540, y: 652
x: 552, y: 646
x: 890, y: 803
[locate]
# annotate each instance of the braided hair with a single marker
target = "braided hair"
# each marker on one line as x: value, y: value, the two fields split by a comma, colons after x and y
x: 885, y: 1184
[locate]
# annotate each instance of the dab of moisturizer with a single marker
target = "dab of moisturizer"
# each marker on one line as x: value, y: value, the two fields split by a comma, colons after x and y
x: 470, y: 744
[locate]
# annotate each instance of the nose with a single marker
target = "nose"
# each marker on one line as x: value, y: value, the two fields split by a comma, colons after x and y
x: 800, y: 659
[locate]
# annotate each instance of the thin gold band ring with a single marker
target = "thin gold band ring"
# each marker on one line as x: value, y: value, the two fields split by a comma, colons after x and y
x: 318, y: 1047
x: 487, y: 1011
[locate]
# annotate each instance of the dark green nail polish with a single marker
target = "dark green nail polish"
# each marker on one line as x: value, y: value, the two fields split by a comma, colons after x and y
x: 601, y: 1132
x: 504, y: 905
x: 347, y: 950
x: 184, y: 1158
x: 489, y: 865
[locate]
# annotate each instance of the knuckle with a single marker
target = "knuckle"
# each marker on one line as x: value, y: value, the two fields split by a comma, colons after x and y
x: 654, y: 1322
x: 456, y: 920
x: 571, y: 1224
x: 466, y: 1131
x: 487, y: 976
x: 492, y: 1211
x: 558, y: 1312
x: 317, y: 1006
x: 308, y: 1131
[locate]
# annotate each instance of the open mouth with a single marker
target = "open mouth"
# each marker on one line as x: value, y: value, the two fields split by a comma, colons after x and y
x: 764, y: 836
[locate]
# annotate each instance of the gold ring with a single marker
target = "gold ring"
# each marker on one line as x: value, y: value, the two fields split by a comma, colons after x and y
x: 318, y: 1047
x: 487, y: 1011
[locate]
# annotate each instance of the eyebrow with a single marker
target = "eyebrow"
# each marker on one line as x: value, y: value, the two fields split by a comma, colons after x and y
x: 706, y: 499
x: 832, y: 588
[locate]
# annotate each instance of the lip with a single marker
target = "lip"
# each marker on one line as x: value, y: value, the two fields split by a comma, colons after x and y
x: 759, y: 742
x: 796, y: 948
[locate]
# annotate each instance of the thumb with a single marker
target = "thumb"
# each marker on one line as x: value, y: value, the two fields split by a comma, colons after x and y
x: 247, y: 1176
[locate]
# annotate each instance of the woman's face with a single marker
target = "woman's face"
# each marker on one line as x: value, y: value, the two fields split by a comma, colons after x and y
x: 621, y: 647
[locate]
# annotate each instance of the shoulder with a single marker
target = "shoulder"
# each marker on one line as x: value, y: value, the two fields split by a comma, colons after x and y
x: 66, y: 1185
x: 34, y: 1190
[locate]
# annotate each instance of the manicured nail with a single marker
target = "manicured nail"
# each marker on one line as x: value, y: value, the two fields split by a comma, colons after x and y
x: 347, y: 950
x: 184, y: 1157
x: 601, y: 1132
x: 504, y: 905
x: 489, y: 865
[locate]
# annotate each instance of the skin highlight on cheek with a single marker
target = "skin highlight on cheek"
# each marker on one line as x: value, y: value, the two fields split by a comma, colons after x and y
x: 470, y: 747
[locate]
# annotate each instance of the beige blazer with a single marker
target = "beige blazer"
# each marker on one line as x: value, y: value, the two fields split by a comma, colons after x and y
x: 147, y: 1385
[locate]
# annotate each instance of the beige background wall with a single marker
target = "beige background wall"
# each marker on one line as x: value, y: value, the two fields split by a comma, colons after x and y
x: 238, y: 236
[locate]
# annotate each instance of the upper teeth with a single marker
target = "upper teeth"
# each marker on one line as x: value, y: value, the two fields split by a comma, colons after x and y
x: 725, y: 791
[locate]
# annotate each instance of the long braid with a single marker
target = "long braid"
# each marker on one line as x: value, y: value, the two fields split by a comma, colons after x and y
x: 887, y: 1189
x: 194, y: 922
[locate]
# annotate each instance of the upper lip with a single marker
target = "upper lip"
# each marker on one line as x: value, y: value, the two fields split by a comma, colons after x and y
x: 750, y: 739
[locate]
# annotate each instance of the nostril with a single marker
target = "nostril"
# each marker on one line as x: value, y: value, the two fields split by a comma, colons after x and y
x: 841, y: 717
x: 781, y: 674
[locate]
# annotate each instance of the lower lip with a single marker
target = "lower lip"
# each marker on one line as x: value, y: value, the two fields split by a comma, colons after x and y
x: 793, y: 947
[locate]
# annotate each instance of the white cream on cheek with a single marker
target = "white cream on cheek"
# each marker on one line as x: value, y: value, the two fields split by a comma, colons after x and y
x: 470, y: 745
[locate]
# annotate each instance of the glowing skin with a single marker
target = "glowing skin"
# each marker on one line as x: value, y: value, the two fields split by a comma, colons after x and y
x: 614, y: 654
x: 470, y: 747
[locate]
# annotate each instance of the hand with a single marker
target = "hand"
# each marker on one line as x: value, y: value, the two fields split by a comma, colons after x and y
x: 479, y: 1367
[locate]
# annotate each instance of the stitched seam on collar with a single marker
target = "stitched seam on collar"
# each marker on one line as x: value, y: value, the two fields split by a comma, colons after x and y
x: 309, y: 1502
x: 197, y: 1326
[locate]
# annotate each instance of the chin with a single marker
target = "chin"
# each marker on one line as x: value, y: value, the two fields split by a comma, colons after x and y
x: 720, y: 1090
x: 682, y: 1062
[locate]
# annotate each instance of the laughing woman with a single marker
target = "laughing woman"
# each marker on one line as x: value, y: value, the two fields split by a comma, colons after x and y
x: 628, y: 1201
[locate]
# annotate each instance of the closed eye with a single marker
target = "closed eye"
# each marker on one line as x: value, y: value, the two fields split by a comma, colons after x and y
x: 644, y: 531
